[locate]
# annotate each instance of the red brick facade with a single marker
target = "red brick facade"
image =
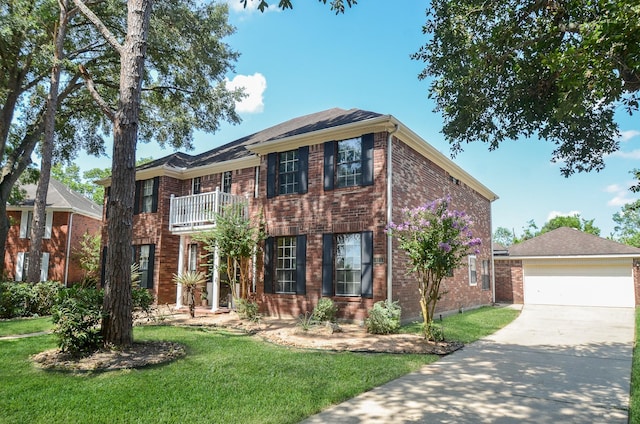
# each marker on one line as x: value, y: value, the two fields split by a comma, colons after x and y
x: 509, y: 281
x: 67, y: 231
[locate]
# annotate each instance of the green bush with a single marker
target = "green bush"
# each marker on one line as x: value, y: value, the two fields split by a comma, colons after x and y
x: 247, y: 309
x: 325, y: 310
x: 141, y: 299
x: 76, y: 317
x: 25, y: 299
x: 384, y: 318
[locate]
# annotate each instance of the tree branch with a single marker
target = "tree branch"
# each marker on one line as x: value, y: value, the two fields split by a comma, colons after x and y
x: 104, y: 106
x: 108, y: 35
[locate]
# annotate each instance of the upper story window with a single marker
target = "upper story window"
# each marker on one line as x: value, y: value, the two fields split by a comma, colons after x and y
x: 226, y: 182
x: 196, y: 185
x: 348, y: 162
x: 26, y: 220
x: 287, y: 172
x: 146, y: 196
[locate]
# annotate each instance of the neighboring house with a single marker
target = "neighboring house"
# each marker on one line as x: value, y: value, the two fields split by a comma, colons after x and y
x: 69, y: 216
x: 327, y: 185
x: 568, y: 267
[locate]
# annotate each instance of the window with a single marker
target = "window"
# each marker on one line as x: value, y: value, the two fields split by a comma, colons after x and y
x: 193, y: 257
x: 196, y: 185
x: 26, y: 220
x: 473, y: 279
x: 286, y: 265
x: 288, y: 172
x: 347, y: 264
x: 22, y: 265
x: 146, y: 196
x: 144, y: 256
x: 486, y: 282
x: 226, y: 182
x: 348, y: 162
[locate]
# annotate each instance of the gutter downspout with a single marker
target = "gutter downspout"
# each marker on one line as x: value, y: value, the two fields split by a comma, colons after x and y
x: 390, y: 213
x: 67, y: 256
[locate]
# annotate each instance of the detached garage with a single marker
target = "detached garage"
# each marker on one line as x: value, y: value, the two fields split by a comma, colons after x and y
x: 568, y: 267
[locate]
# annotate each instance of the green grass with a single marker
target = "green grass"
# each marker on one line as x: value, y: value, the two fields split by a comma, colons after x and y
x: 471, y: 325
x: 25, y: 326
x: 225, y: 377
x: 634, y: 401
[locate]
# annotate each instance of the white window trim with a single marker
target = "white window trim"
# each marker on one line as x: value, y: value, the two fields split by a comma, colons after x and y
x: 474, y: 268
x: 24, y: 224
x: 44, y: 266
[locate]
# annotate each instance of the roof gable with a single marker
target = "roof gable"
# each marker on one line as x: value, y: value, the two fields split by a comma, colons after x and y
x: 565, y: 241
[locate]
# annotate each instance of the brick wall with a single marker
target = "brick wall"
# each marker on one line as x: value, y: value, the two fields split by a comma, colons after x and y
x: 509, y: 279
x: 416, y: 181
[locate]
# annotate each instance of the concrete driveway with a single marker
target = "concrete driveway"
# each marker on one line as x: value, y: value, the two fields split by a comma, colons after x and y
x: 551, y: 365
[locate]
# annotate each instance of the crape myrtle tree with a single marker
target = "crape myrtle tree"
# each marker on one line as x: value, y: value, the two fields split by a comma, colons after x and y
x: 436, y: 240
x: 555, y: 69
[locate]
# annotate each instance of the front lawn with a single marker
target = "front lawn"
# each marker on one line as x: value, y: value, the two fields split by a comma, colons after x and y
x: 225, y: 377
x: 12, y: 327
x: 471, y: 325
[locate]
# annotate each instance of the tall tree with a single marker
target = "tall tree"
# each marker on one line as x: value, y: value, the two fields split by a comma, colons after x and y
x: 504, y: 236
x: 627, y: 228
x: 46, y: 148
x: 556, y: 69
x: 571, y: 221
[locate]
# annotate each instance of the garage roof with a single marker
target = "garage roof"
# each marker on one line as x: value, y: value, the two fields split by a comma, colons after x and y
x: 566, y: 241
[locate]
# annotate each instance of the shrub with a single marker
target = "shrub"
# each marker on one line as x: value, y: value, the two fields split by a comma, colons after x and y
x: 384, y: 318
x: 247, y: 309
x: 141, y: 299
x: 76, y: 316
x: 25, y: 299
x: 325, y: 310
x: 45, y: 294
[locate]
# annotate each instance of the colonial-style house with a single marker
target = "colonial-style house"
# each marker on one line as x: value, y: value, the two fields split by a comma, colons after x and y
x: 69, y: 216
x: 327, y: 185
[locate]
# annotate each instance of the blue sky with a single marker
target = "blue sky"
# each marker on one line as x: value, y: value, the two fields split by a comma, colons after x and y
x: 308, y: 59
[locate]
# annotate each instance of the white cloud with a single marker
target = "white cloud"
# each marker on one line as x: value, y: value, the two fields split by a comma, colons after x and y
x: 554, y: 214
x: 613, y: 188
x: 633, y: 154
x: 621, y: 195
x: 628, y: 135
x: 254, y: 87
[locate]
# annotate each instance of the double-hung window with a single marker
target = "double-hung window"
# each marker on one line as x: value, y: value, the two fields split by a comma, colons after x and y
x: 486, y: 282
x: 473, y: 276
x: 26, y: 220
x: 226, y: 182
x: 349, y: 162
x: 347, y: 264
x: 287, y: 172
x: 196, y: 185
x: 144, y: 256
x: 285, y: 264
x: 146, y: 195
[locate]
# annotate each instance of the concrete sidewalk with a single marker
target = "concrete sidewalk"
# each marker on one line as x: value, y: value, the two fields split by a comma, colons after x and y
x: 551, y: 365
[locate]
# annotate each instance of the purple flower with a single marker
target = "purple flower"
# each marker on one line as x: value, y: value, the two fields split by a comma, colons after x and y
x: 446, y: 247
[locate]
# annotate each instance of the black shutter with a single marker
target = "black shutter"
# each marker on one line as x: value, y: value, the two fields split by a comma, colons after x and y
x: 303, y: 168
x: 272, y: 163
x: 366, y: 281
x: 103, y: 268
x: 327, y: 264
x: 150, y: 271
x: 329, y: 164
x: 107, y: 196
x: 154, y: 201
x: 367, y: 159
x: 268, y: 264
x: 136, y: 201
x: 301, y: 264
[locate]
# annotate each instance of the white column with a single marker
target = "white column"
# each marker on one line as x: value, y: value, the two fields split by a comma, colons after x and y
x: 215, y: 295
x: 180, y: 268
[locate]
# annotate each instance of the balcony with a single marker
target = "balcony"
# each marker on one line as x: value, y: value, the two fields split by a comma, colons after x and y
x: 198, y: 212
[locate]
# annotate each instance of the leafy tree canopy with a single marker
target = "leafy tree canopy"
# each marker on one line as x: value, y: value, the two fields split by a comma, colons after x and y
x: 627, y: 229
x: 556, y: 69
x: 507, y: 237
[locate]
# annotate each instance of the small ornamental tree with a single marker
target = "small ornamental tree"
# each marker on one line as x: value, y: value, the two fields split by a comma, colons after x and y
x: 436, y: 240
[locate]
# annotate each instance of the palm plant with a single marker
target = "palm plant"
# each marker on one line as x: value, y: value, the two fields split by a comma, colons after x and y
x: 190, y: 281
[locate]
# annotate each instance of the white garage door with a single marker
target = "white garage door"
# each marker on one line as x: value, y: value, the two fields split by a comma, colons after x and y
x: 585, y: 282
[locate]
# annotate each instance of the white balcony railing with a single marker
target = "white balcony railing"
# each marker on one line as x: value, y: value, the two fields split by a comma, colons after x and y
x: 199, y: 211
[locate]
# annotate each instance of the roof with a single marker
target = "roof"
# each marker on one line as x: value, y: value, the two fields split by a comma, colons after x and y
x: 315, y: 128
x: 565, y: 241
x: 62, y: 198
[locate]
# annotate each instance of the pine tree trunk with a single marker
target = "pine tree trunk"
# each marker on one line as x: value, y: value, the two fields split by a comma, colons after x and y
x: 117, y: 326
x: 46, y: 152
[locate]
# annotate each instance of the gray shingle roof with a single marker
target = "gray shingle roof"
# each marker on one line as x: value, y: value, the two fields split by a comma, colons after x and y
x: 238, y: 148
x: 62, y: 197
x: 566, y: 241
